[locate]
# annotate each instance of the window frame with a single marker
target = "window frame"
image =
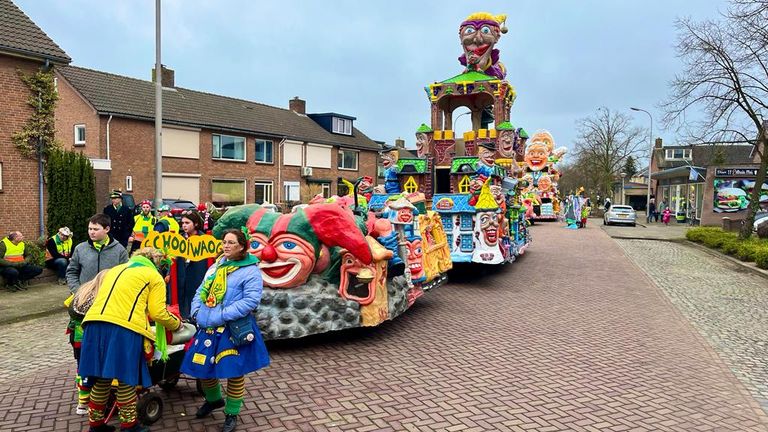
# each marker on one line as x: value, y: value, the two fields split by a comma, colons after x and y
x: 340, y: 160
x: 326, y: 187
x: 271, y: 151
x: 219, y: 157
x: 267, y: 184
x: 226, y: 180
x: 286, y: 191
x: 341, y: 126
x: 77, y: 127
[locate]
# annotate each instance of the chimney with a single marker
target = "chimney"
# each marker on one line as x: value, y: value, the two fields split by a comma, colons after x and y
x: 297, y: 105
x: 167, y: 77
x: 400, y: 143
x: 658, y: 143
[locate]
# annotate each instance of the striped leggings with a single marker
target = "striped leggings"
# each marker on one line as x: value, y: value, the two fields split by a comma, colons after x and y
x: 235, y: 393
x: 126, y: 403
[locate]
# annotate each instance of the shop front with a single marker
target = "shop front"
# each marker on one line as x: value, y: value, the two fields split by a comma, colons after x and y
x: 682, y: 190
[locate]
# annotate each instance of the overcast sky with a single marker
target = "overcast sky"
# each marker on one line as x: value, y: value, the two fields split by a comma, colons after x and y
x: 371, y: 59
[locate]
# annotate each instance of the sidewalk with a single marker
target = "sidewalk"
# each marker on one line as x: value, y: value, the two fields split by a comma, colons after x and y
x: 38, y: 300
x: 645, y: 231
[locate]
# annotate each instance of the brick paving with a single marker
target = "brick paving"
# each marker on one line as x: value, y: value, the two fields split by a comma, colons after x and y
x: 573, y: 337
x: 726, y: 303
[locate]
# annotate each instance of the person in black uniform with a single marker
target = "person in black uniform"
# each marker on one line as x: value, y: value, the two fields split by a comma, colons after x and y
x: 122, y: 218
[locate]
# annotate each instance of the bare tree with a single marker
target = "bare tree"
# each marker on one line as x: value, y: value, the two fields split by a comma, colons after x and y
x: 725, y: 79
x: 604, y: 142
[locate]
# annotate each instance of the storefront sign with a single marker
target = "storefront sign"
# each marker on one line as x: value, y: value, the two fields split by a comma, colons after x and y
x: 195, y: 248
x: 735, y: 172
x: 734, y: 195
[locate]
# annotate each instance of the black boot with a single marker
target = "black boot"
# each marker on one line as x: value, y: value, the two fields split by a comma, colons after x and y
x: 208, y: 407
x: 230, y: 423
x: 102, y: 428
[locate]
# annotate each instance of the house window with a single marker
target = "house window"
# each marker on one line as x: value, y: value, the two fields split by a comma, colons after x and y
x: 342, y: 126
x: 129, y: 183
x: 80, y: 134
x: 326, y: 190
x: 348, y: 160
x: 447, y: 222
x: 263, y: 151
x: 466, y: 243
x: 227, y: 193
x: 263, y: 192
x: 464, y: 184
x: 449, y: 240
x: 380, y: 171
x: 291, y: 191
x: 678, y: 154
x: 410, y: 185
x: 466, y: 222
x: 228, y: 147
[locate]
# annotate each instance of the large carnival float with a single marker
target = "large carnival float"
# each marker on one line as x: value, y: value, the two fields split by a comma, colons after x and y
x: 540, y: 177
x: 471, y: 183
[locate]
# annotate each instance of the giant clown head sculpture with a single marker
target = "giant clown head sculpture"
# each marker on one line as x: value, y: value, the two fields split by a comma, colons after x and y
x: 479, y: 33
x: 538, y: 150
x: 293, y: 246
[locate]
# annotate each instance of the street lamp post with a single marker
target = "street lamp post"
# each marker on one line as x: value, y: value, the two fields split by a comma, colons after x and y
x: 650, y: 160
x: 623, y: 192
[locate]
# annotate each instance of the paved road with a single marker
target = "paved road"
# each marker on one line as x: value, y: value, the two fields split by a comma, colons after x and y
x: 573, y: 337
x: 723, y: 301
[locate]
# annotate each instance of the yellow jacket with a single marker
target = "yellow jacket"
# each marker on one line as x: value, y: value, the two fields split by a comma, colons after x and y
x: 129, y: 293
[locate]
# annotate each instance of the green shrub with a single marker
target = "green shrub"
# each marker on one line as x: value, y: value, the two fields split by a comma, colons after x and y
x: 761, y: 258
x: 700, y: 233
x: 747, y: 250
x: 730, y: 246
x: 36, y: 251
x: 715, y: 240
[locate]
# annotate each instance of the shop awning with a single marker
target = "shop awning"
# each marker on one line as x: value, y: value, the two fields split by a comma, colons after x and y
x: 681, y: 171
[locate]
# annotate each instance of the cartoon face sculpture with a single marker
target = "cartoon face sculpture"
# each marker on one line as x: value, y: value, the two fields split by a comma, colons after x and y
x: 389, y: 159
x: 536, y: 156
x: 478, y: 37
x: 545, y: 183
x: 498, y: 195
x: 506, y: 143
x: 422, y: 144
x: 489, y: 225
x: 367, y: 284
x: 415, y: 256
x: 293, y: 246
x: 486, y: 154
x: 366, y: 184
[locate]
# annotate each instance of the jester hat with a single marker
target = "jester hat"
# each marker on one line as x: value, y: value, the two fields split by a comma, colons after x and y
x: 477, y: 19
x: 318, y: 224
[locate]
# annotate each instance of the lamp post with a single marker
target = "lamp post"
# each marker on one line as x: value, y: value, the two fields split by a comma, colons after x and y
x: 158, y: 112
x: 623, y: 192
x: 650, y: 160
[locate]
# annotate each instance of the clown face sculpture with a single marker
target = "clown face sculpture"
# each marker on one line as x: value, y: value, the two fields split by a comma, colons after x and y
x: 486, y: 155
x: 489, y: 226
x: 389, y: 159
x: 414, y: 261
x: 293, y: 246
x: 545, y: 183
x: 479, y: 33
x: 536, y: 156
x: 506, y: 143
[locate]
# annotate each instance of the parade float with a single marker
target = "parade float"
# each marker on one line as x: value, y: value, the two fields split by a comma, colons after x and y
x: 540, y: 178
x: 470, y: 183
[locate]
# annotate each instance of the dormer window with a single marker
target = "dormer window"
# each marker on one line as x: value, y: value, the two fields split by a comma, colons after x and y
x: 678, y: 154
x: 342, y: 126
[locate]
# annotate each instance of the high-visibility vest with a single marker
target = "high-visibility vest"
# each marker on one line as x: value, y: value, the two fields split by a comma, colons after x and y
x: 143, y: 225
x: 62, y: 247
x: 13, y: 252
x: 173, y: 226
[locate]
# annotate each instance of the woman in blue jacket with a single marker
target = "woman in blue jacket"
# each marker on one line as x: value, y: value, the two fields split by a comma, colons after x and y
x: 229, y: 294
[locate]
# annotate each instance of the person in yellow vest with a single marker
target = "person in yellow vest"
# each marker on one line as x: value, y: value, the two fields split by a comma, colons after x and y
x: 58, y: 250
x: 16, y: 265
x: 143, y: 224
x: 166, y: 222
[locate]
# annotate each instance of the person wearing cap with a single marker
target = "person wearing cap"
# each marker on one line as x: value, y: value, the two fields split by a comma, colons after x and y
x: 208, y: 221
x: 16, y: 264
x: 122, y: 218
x: 486, y: 153
x: 58, y: 250
x: 166, y: 221
x: 143, y: 224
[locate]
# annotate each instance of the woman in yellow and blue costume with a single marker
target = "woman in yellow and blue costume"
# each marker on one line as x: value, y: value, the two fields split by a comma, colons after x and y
x: 231, y: 290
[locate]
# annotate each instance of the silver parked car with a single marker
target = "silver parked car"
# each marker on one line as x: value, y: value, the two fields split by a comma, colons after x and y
x: 620, y: 214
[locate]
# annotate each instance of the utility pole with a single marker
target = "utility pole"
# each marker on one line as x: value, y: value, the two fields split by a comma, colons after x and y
x: 158, y: 113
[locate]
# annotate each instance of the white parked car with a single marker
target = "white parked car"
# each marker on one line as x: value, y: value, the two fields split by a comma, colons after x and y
x: 620, y: 214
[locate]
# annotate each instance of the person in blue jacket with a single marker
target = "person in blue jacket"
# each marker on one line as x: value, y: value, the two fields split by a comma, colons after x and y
x: 231, y: 291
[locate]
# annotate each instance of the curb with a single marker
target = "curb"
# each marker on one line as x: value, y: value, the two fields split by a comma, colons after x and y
x: 40, y: 314
x: 724, y: 257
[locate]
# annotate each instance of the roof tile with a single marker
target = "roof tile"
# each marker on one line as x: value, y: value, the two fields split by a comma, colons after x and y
x: 19, y: 34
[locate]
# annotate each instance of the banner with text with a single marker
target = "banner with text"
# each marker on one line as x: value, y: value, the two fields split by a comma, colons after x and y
x: 195, y: 248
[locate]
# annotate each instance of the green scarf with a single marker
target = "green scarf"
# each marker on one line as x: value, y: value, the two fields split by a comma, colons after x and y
x: 215, y: 285
x: 99, y: 245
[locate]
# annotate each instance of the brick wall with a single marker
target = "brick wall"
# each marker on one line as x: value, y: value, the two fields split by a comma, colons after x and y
x: 73, y: 110
x: 19, y: 196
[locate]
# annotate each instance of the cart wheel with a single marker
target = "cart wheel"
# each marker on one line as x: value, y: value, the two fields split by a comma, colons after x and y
x: 199, y: 387
x: 169, y: 384
x: 150, y: 408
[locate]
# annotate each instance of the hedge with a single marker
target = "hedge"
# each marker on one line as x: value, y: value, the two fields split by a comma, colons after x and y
x: 71, y: 193
x: 751, y: 250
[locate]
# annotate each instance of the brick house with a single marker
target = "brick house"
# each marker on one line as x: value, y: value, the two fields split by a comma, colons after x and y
x: 215, y: 148
x: 24, y: 48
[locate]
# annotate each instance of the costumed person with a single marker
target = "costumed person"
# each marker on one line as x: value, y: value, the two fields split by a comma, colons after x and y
x: 143, y: 224
x: 166, y: 222
x: 479, y: 33
x: 666, y: 216
x: 585, y: 209
x: 58, y: 250
x: 228, y: 341
x: 188, y: 275
x: 570, y: 213
x: 78, y: 306
x: 389, y: 159
x: 121, y: 217
x: 207, y: 218
x: 115, y: 331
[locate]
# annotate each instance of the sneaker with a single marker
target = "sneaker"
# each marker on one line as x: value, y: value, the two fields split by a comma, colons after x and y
x: 230, y: 423
x: 208, y: 407
x: 102, y: 428
x: 81, y: 410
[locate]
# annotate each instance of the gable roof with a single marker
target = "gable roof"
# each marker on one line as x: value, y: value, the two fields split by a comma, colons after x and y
x: 707, y: 154
x: 20, y: 36
x: 122, y: 96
